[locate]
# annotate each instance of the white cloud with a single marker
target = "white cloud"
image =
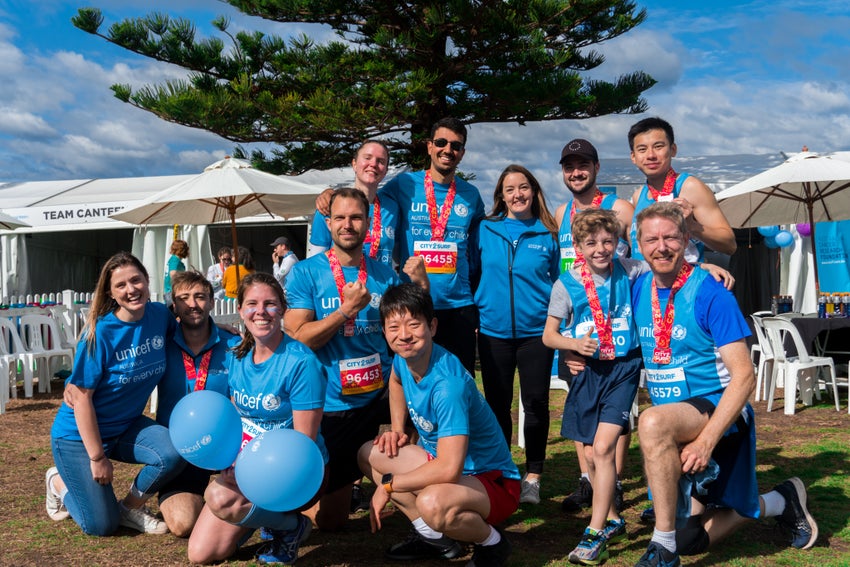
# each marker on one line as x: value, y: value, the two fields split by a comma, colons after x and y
x: 23, y: 124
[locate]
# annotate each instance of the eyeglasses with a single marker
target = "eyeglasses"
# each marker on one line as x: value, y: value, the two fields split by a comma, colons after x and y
x: 226, y: 259
x: 442, y: 143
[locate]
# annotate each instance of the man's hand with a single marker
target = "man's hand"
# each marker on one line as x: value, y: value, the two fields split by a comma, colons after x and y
x: 377, y: 511
x: 414, y: 267
x: 719, y: 274
x: 686, y: 206
x: 390, y: 442
x: 323, y: 201
x: 695, y: 456
x: 355, y: 297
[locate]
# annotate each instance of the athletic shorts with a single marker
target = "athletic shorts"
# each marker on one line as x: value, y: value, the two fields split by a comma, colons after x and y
x: 735, y: 454
x: 603, y: 393
x: 345, y: 432
x: 503, y: 493
x: 191, y: 479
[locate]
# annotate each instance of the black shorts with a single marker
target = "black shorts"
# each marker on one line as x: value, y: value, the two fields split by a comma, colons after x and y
x: 192, y: 479
x: 345, y: 432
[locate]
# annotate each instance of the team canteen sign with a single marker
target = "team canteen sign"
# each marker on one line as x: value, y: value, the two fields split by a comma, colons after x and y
x: 54, y: 215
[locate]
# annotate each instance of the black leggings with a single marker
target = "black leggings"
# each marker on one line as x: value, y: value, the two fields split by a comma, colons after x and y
x: 456, y: 333
x: 500, y: 358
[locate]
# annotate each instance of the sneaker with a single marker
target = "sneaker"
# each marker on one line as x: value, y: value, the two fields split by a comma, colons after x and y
x: 266, y: 534
x: 359, y: 499
x: 591, y: 550
x: 417, y: 548
x: 619, y: 499
x: 615, y: 530
x: 796, y: 517
x: 648, y: 515
x: 55, y: 508
x: 529, y: 492
x: 656, y: 555
x: 581, y: 498
x: 491, y: 555
x: 283, y: 549
x: 141, y: 520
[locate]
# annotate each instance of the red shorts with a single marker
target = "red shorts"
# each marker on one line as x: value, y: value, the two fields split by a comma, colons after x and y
x: 503, y: 493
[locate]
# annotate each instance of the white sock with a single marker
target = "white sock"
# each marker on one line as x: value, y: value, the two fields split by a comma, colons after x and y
x: 665, y: 539
x: 425, y: 530
x: 586, y: 476
x: 774, y: 504
x: 492, y: 539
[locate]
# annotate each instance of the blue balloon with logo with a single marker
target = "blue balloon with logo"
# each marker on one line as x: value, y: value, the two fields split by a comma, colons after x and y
x: 783, y: 239
x: 280, y: 470
x: 206, y: 430
x: 768, y: 231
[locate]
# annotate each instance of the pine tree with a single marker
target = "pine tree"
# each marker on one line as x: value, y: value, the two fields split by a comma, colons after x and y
x: 396, y: 69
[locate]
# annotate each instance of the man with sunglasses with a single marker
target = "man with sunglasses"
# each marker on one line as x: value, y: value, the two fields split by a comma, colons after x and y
x: 438, y: 214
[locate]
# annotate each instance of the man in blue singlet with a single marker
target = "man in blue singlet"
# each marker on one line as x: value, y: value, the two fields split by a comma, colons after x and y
x: 698, y: 438
x: 579, y: 166
x: 195, y: 360
x: 459, y: 481
x: 652, y: 149
x: 438, y: 214
x: 333, y: 301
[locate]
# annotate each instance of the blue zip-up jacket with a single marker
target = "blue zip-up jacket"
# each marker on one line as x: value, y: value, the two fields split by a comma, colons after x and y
x: 516, y: 279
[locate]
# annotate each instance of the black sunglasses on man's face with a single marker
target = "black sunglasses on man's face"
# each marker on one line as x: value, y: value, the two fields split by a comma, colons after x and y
x: 442, y: 143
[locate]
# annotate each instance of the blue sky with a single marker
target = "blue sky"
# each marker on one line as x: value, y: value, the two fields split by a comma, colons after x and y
x: 733, y: 78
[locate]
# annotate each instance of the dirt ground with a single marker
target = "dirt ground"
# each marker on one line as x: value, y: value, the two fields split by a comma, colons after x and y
x: 30, y: 538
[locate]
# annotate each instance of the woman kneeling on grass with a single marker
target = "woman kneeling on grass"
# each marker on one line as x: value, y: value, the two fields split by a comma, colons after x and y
x: 120, y: 360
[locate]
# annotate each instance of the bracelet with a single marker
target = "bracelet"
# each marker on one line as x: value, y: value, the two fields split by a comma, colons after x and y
x: 97, y: 460
x: 341, y: 312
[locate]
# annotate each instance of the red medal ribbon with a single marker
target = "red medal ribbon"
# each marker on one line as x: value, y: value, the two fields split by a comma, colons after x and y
x: 597, y: 202
x: 662, y: 327
x: 438, y: 225
x: 604, y: 328
x: 375, y: 229
x: 200, y: 377
x: 339, y: 280
x: 669, y: 185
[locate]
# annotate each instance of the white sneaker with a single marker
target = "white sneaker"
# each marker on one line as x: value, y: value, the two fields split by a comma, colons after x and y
x: 140, y: 519
x: 529, y: 491
x: 55, y: 508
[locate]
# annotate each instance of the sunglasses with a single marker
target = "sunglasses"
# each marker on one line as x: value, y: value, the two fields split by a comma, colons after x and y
x: 442, y: 143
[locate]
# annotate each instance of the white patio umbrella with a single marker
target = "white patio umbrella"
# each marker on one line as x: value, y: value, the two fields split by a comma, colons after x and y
x: 806, y: 188
x: 226, y: 190
x: 8, y: 222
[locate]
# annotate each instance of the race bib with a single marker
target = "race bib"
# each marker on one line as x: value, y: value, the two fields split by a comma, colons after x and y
x: 666, y: 198
x: 440, y: 257
x: 620, y: 330
x: 249, y: 431
x: 361, y: 375
x: 667, y: 385
x: 568, y: 258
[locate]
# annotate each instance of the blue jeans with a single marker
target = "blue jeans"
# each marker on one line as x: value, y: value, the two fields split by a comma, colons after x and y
x: 93, y: 506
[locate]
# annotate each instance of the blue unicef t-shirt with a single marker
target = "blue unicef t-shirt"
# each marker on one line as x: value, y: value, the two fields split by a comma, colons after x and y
x: 352, y: 362
x: 125, y: 366
x: 320, y: 236
x: 265, y: 393
x: 446, y: 402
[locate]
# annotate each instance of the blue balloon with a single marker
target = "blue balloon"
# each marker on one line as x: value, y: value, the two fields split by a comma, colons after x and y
x: 770, y: 242
x: 783, y: 239
x: 280, y: 470
x: 768, y: 231
x: 206, y: 430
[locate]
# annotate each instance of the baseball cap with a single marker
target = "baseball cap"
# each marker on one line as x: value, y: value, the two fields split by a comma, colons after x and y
x: 581, y: 148
x: 281, y: 240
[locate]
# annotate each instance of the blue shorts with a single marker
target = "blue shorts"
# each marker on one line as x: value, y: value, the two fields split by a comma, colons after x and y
x: 602, y: 393
x: 735, y: 454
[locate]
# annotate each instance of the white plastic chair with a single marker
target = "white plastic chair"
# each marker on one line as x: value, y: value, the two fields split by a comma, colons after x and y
x: 791, y: 367
x: 13, y: 352
x: 766, y: 360
x: 42, y: 338
x: 5, y: 373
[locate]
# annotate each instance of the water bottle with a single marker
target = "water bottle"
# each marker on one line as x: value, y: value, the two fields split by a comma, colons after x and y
x: 821, y: 306
x: 774, y: 305
x: 845, y: 301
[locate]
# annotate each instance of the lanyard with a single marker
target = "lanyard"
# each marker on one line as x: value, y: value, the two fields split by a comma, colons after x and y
x: 339, y: 280
x: 667, y: 189
x: 375, y: 229
x: 603, y: 325
x: 438, y: 225
x: 597, y: 202
x: 200, y: 377
x: 662, y: 327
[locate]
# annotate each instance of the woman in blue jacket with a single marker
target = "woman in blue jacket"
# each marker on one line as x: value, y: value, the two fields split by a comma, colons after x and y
x: 518, y: 253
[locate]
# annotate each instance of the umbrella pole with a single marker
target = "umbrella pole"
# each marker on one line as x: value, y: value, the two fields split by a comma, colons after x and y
x: 235, y: 244
x: 814, y: 251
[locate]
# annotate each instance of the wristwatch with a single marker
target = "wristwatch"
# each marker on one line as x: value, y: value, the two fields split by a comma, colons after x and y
x: 387, y: 481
